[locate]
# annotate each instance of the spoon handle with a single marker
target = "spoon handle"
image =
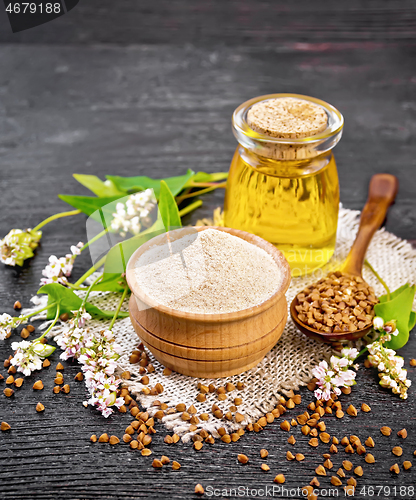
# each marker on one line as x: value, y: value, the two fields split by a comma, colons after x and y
x: 381, y: 194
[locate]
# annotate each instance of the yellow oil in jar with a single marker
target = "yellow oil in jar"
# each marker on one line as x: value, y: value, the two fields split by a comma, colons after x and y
x: 291, y: 203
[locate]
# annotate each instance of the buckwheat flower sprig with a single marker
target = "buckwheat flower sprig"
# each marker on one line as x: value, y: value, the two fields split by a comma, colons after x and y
x: 98, y: 355
x: 28, y: 356
x: 59, y: 270
x: 98, y: 364
x: 132, y: 216
x: 19, y: 244
x: 104, y: 394
x: 335, y: 374
x: 392, y: 374
x: 75, y: 336
x: 8, y: 323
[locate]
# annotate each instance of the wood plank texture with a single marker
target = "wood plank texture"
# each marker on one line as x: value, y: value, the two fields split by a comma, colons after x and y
x: 231, y: 22
x: 149, y: 88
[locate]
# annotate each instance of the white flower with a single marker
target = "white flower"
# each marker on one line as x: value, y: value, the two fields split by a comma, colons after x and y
x: 25, y: 358
x: 399, y: 361
x: 392, y: 374
x: 332, y: 376
x: 350, y: 353
x: 6, y: 325
x: 134, y: 214
x: 76, y: 250
x: 75, y: 337
x: 24, y: 344
x: 58, y: 270
x: 339, y: 363
x: 378, y: 323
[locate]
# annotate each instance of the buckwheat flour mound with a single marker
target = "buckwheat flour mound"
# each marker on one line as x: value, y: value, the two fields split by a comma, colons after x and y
x: 208, y: 272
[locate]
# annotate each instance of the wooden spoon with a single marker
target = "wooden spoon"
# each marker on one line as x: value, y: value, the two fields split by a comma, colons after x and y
x: 381, y: 194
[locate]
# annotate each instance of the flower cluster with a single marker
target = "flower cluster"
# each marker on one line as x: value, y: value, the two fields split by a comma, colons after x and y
x: 28, y: 355
x: 75, y: 337
x: 392, y: 374
x: 58, y: 270
x: 18, y: 245
x: 336, y: 374
x: 98, y: 358
x: 134, y: 214
x: 7, y: 323
x: 98, y: 364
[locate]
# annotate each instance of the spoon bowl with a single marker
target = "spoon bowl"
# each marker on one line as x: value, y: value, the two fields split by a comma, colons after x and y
x: 324, y: 336
x: 381, y: 194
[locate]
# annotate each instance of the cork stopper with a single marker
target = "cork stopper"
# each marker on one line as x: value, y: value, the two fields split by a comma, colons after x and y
x: 287, y: 118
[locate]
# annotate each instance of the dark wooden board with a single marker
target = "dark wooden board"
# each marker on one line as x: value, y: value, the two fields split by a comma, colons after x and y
x: 232, y: 22
x: 73, y: 99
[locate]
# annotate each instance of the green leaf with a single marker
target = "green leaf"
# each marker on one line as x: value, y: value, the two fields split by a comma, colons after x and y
x: 399, y: 308
x: 69, y: 301
x: 140, y: 183
x: 168, y: 208
x: 204, y: 177
x: 99, y: 187
x: 58, y: 294
x: 110, y: 283
x: 102, y: 313
x: 412, y: 320
x: 90, y: 204
x: 393, y: 295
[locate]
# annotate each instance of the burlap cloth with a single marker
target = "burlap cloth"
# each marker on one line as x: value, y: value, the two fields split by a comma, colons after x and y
x: 287, y: 366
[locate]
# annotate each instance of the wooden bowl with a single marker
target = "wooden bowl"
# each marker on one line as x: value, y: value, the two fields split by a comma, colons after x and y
x: 209, y: 345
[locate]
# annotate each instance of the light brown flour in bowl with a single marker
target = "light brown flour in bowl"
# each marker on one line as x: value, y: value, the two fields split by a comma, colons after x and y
x: 208, y: 272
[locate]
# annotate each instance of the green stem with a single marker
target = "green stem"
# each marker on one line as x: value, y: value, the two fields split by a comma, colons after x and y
x: 380, y: 279
x: 74, y: 287
x: 118, y: 307
x: 93, y: 240
x: 184, y: 193
x: 88, y: 293
x: 58, y: 308
x: 94, y: 268
x: 190, y: 208
x: 366, y: 348
x: 208, y: 184
x: 54, y: 217
x: 23, y: 318
x: 179, y: 199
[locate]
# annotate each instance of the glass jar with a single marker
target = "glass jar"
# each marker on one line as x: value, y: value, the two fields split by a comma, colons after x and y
x: 286, y: 190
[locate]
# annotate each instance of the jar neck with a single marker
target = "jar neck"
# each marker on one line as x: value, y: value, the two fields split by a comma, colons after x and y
x: 284, y: 168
